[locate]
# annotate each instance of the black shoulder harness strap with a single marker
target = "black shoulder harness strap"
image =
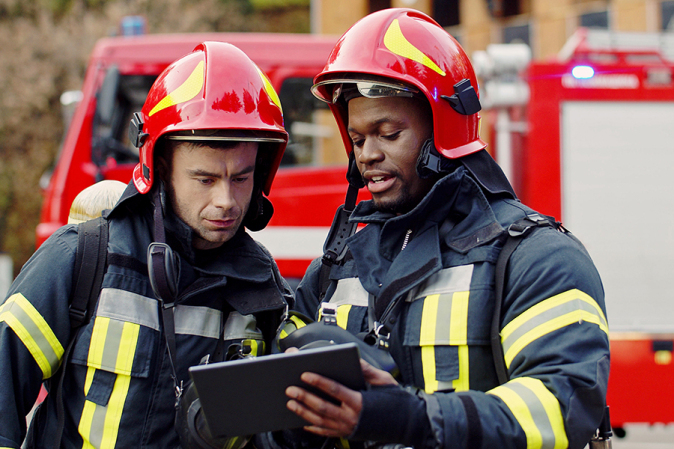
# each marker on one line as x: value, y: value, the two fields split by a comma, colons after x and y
x: 90, y: 263
x: 92, y: 251
x: 516, y: 232
x: 335, y: 249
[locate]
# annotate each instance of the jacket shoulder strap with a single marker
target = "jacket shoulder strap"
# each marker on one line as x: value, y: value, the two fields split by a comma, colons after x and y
x: 516, y: 232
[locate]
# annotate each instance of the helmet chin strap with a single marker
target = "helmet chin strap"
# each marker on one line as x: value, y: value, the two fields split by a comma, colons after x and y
x: 430, y: 162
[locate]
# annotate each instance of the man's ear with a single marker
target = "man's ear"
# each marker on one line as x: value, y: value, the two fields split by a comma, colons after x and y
x: 162, y: 168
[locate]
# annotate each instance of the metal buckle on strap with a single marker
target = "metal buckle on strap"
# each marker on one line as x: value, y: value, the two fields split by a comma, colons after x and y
x: 329, y: 313
x: 381, y: 334
x: 518, y: 228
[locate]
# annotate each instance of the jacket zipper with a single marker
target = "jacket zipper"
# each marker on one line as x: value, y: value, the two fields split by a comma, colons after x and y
x: 407, y: 239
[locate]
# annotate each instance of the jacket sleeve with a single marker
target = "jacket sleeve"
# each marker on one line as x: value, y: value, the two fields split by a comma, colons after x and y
x: 556, y: 348
x: 34, y: 330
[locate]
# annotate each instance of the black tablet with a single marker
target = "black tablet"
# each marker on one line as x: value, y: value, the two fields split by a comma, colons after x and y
x: 244, y: 397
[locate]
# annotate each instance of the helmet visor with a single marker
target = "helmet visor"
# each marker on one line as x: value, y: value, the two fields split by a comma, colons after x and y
x: 368, y: 89
x: 227, y: 135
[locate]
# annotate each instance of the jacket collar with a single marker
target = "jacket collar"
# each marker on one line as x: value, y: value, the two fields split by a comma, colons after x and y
x: 456, y: 204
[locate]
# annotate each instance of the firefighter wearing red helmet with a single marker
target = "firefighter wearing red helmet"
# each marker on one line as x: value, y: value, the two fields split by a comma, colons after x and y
x: 418, y: 280
x: 180, y: 273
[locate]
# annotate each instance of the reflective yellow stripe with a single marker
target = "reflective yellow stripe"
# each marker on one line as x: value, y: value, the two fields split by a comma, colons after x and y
x: 537, y: 411
x: 343, y: 315
x: 185, y: 92
x: 572, y: 306
x: 34, y: 332
x: 458, y: 328
x: 426, y: 340
x: 398, y: 44
x: 269, y: 88
x: 112, y: 343
x: 458, y: 335
x: 434, y: 330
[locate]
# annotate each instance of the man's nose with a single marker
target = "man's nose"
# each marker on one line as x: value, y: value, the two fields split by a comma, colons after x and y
x: 223, y: 196
x: 369, y: 153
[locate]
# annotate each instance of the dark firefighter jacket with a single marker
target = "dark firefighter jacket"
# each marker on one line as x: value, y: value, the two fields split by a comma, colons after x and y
x: 553, y: 331
x: 118, y: 388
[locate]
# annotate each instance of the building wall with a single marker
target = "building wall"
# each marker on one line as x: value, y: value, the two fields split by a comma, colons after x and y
x: 550, y: 23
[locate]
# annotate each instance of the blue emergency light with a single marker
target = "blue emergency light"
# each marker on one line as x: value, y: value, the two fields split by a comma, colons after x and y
x: 133, y: 26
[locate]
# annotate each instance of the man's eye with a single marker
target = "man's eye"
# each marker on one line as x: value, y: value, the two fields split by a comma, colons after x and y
x: 205, y: 181
x: 392, y: 136
x: 358, y: 142
x: 241, y: 179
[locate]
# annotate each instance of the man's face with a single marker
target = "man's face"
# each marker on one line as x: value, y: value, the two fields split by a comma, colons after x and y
x: 387, y: 135
x: 211, y: 189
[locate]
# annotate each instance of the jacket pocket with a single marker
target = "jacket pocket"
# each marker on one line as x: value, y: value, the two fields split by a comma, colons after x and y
x: 118, y: 345
x: 443, y: 323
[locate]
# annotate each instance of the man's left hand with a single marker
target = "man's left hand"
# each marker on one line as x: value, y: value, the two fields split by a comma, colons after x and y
x: 328, y: 419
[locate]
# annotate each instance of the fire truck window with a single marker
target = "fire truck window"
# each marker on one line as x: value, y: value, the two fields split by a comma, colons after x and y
x: 597, y: 19
x: 300, y: 109
x: 110, y: 137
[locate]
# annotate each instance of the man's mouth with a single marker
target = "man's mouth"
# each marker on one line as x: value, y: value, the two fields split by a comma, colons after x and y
x: 380, y: 183
x: 222, y: 223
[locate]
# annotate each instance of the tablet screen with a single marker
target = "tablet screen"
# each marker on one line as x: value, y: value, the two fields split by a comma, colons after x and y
x: 244, y: 397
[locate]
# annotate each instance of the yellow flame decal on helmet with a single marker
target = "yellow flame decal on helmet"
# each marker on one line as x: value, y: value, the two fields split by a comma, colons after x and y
x: 398, y: 44
x: 269, y: 89
x: 185, y: 92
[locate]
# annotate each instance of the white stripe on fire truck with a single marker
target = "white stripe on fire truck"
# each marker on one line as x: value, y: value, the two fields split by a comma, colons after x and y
x: 293, y: 242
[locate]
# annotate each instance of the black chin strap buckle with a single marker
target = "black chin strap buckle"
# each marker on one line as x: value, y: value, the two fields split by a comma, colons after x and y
x: 429, y: 162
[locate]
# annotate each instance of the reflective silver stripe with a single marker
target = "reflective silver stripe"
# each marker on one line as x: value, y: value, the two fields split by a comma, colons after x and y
x: 34, y: 332
x: 544, y: 317
x: 564, y: 309
x: 448, y: 280
x: 241, y: 326
x: 108, y: 333
x: 537, y: 411
x: 127, y: 306
x: 349, y: 291
x: 538, y: 414
x: 201, y: 321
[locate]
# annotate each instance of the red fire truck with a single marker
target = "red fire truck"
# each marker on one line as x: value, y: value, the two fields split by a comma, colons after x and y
x: 119, y: 75
x: 585, y: 138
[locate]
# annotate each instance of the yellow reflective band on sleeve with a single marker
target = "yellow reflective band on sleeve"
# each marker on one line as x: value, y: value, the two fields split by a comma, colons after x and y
x: 398, y: 44
x: 343, y: 315
x: 185, y: 92
x: 572, y: 306
x: 113, y: 347
x: 434, y: 331
x: 32, y: 329
x: 537, y: 410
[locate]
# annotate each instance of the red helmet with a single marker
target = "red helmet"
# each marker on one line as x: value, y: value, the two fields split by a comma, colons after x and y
x: 404, y: 52
x: 214, y: 93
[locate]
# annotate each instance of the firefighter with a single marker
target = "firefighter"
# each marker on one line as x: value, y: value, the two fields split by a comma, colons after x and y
x: 182, y: 273
x: 419, y: 278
